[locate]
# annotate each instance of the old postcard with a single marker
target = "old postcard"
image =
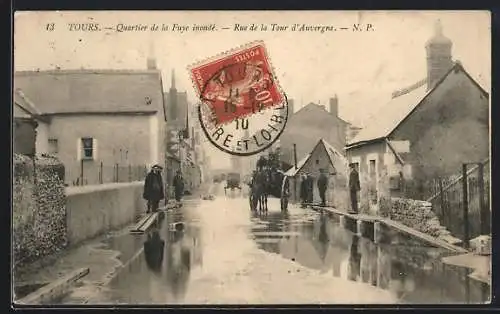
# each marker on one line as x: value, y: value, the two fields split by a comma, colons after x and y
x: 251, y: 157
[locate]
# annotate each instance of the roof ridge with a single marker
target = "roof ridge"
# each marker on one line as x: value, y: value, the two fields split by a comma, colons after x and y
x: 33, y: 110
x: 409, y: 89
x: 456, y: 66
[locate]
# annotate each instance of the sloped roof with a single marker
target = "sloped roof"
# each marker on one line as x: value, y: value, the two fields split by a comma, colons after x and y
x: 332, y: 153
x: 313, y: 106
x: 391, y: 115
x: 93, y: 91
x: 19, y: 112
x: 24, y: 108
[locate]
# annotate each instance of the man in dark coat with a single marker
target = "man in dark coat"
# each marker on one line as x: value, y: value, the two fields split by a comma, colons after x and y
x: 354, y: 187
x: 310, y: 188
x: 178, y: 186
x: 153, y: 188
x: 303, y: 190
x: 322, y: 186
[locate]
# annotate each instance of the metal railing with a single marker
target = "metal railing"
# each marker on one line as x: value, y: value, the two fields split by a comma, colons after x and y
x: 463, y: 206
x: 100, y: 173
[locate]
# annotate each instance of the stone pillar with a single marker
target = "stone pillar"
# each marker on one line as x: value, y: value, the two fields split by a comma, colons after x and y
x: 377, y: 230
x: 359, y: 227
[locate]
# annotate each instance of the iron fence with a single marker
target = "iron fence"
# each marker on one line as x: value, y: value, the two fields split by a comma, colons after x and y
x: 462, y: 205
x: 100, y: 173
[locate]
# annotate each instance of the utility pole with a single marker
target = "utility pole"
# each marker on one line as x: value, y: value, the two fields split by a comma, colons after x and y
x: 295, y: 155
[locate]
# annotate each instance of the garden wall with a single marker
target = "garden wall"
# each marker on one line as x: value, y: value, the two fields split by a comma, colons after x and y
x: 39, y: 212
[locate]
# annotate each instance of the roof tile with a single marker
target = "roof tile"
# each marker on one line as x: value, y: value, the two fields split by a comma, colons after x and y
x: 85, y: 91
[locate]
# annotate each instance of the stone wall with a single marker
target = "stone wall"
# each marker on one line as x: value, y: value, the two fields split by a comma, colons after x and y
x: 94, y: 209
x: 39, y: 213
x: 413, y: 213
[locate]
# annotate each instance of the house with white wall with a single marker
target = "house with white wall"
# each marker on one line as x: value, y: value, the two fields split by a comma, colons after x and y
x: 113, y: 118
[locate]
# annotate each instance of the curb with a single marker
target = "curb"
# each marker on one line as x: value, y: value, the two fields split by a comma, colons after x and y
x: 119, y: 269
x: 54, y: 289
x: 398, y: 226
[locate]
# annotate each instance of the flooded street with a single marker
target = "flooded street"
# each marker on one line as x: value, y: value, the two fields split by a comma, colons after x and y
x: 218, y: 252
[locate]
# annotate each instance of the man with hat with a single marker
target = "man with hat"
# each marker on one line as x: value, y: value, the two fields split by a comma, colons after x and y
x: 153, y: 188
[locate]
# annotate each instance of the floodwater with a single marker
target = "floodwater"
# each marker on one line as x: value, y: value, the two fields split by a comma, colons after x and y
x: 217, y: 252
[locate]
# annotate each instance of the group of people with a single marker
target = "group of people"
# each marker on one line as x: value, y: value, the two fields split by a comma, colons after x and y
x: 307, y: 187
x: 154, y: 191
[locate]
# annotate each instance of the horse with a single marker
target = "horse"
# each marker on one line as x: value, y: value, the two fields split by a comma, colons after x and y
x: 259, y: 190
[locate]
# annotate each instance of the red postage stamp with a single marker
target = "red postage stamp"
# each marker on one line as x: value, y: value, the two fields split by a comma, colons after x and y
x: 238, y: 83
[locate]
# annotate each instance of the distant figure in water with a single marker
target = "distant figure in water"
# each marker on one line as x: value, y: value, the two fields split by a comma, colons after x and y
x: 178, y: 186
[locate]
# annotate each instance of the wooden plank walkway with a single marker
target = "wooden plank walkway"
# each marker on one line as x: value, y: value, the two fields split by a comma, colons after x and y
x: 144, y: 224
x: 395, y: 225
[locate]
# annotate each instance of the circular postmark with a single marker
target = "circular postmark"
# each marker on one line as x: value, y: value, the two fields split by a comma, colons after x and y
x: 242, y: 109
x: 245, y: 136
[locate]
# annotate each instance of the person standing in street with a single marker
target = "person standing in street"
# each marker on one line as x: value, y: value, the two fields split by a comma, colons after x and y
x: 303, y: 190
x: 178, y: 185
x: 153, y: 188
x: 310, y: 189
x: 322, y: 186
x: 354, y: 187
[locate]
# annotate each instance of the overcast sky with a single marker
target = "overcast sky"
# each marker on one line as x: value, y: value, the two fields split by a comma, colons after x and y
x: 361, y: 68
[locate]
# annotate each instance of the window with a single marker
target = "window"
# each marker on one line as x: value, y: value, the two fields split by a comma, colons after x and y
x: 53, y: 146
x: 87, y: 148
x: 372, y: 168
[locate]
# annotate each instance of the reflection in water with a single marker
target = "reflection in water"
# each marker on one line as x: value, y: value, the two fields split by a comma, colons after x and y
x: 178, y: 262
x: 412, y: 270
x: 153, y: 251
x: 354, y: 266
x: 402, y: 281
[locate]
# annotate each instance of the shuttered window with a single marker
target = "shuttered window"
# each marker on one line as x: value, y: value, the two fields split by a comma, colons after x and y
x: 87, y: 148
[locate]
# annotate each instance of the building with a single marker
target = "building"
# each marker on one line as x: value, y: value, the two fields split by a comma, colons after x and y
x: 425, y: 131
x: 105, y: 125
x: 306, y: 126
x: 322, y: 156
x: 30, y: 127
x: 184, y: 146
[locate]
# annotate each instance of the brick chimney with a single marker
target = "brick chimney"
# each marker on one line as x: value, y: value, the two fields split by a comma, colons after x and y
x: 334, y: 106
x: 439, y: 60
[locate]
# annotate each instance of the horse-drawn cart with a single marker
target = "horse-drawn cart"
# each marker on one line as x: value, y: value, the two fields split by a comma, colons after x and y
x: 268, y: 181
x: 233, y: 182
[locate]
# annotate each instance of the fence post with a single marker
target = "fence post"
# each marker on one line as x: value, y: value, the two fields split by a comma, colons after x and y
x: 465, y: 204
x: 441, y: 199
x: 117, y: 173
x: 81, y: 171
x: 100, y: 172
x: 482, y: 206
x: 129, y: 173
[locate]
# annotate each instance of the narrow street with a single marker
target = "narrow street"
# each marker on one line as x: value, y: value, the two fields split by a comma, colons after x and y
x: 218, y: 252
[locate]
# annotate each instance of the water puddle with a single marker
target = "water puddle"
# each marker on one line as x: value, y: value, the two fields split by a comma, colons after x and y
x: 410, y: 268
